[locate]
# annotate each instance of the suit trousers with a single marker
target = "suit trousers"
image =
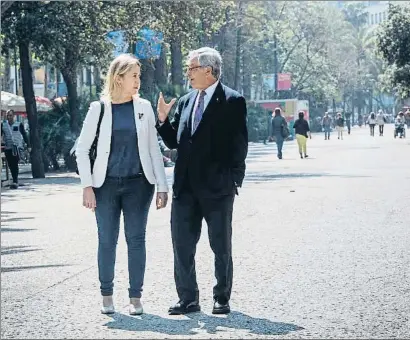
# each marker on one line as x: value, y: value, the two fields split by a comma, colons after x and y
x: 188, y: 211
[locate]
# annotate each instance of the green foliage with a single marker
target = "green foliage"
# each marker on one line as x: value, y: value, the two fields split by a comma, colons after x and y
x: 329, y: 52
x: 394, y: 44
x: 57, y: 139
x: 258, y: 123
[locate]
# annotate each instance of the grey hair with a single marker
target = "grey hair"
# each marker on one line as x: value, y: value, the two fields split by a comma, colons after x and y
x: 208, y: 57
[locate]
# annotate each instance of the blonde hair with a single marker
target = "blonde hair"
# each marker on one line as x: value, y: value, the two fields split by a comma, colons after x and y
x: 118, y: 67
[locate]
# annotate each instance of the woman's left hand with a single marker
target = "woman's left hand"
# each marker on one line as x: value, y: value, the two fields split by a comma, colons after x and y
x: 162, y: 199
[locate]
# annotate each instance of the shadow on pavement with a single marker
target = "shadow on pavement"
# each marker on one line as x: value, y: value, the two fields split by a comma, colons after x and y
x: 15, y: 219
x: 21, y: 268
x: 271, y: 177
x: 200, y: 323
x: 53, y: 179
x: 15, y: 230
x: 17, y: 249
x: 5, y: 220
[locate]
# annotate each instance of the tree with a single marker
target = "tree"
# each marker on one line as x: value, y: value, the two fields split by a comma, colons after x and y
x: 18, y: 23
x: 70, y: 34
x: 393, y: 41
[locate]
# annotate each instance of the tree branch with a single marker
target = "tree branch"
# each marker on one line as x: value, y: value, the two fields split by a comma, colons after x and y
x: 289, y: 54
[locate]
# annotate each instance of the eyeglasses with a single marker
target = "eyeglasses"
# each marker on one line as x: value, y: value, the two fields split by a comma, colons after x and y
x: 190, y: 69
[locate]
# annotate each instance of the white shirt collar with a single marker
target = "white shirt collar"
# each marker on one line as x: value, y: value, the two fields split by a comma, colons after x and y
x: 211, y: 89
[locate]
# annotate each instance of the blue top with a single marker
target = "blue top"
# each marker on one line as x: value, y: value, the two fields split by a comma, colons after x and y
x: 124, y: 157
x: 277, y: 122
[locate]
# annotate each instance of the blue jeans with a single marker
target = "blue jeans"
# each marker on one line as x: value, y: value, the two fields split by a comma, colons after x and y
x: 327, y: 131
x: 132, y: 196
x: 279, y: 144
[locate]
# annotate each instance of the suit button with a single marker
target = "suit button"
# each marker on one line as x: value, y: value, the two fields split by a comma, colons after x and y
x: 190, y: 141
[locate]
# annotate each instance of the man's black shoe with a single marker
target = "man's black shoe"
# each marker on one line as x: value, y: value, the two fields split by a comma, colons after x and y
x: 221, y: 308
x: 184, y: 307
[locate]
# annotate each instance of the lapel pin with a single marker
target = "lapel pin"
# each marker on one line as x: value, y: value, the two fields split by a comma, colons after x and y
x: 140, y: 115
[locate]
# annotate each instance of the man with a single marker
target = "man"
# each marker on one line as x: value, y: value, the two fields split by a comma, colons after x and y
x: 278, y: 125
x: 326, y: 124
x: 210, y: 134
x: 14, y: 136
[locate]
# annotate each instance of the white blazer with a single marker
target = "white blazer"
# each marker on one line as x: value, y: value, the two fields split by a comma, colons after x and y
x: 149, y: 151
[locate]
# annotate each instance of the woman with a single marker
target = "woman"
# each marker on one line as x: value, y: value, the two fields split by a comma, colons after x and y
x: 372, y: 123
x: 380, y: 121
x: 340, y: 124
x: 302, y: 129
x: 128, y: 165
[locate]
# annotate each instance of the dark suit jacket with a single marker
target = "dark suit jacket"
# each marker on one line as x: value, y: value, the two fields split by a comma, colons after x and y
x: 213, y: 158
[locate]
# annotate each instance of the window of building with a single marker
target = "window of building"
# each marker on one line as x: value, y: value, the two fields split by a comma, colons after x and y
x: 380, y: 17
x: 384, y: 16
x: 372, y: 19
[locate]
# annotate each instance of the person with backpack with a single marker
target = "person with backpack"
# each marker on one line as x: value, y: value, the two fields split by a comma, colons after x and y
x: 372, y: 122
x: 128, y: 165
x: 302, y: 131
x: 279, y: 130
x: 15, y: 136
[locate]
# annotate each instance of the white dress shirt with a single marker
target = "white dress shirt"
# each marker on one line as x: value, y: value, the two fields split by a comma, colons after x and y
x: 209, y: 92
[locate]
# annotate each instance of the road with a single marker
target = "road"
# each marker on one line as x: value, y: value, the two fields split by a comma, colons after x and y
x: 321, y: 250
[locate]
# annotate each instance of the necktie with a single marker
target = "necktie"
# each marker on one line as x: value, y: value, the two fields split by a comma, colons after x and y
x: 199, y: 111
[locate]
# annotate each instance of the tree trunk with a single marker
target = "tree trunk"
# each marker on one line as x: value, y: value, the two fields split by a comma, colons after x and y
x: 203, y: 38
x: 6, y: 79
x: 80, y: 80
x: 70, y: 77
x: 97, y: 80
x: 353, y: 101
x: 226, y: 46
x: 46, y: 68
x: 147, y: 80
x: 371, y: 100
x: 359, y: 101
x: 247, y: 75
x: 37, y: 166
x: 161, y: 72
x: 238, y: 46
x: 177, y: 77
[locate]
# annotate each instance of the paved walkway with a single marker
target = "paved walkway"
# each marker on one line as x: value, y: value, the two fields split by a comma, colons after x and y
x: 321, y: 250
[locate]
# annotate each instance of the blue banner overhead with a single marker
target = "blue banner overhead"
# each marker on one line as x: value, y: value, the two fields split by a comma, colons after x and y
x: 148, y: 44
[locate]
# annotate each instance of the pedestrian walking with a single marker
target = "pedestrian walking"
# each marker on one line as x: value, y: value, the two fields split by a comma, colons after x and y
x: 302, y: 132
x: 210, y: 133
x: 371, y: 120
x: 340, y: 124
x: 279, y: 130
x: 14, y: 136
x: 407, y: 118
x: 127, y: 167
x: 327, y: 124
x: 348, y: 117
x: 380, y: 120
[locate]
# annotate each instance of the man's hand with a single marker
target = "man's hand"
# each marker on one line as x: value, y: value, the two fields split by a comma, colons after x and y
x: 162, y: 199
x: 163, y: 108
x: 89, y: 198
